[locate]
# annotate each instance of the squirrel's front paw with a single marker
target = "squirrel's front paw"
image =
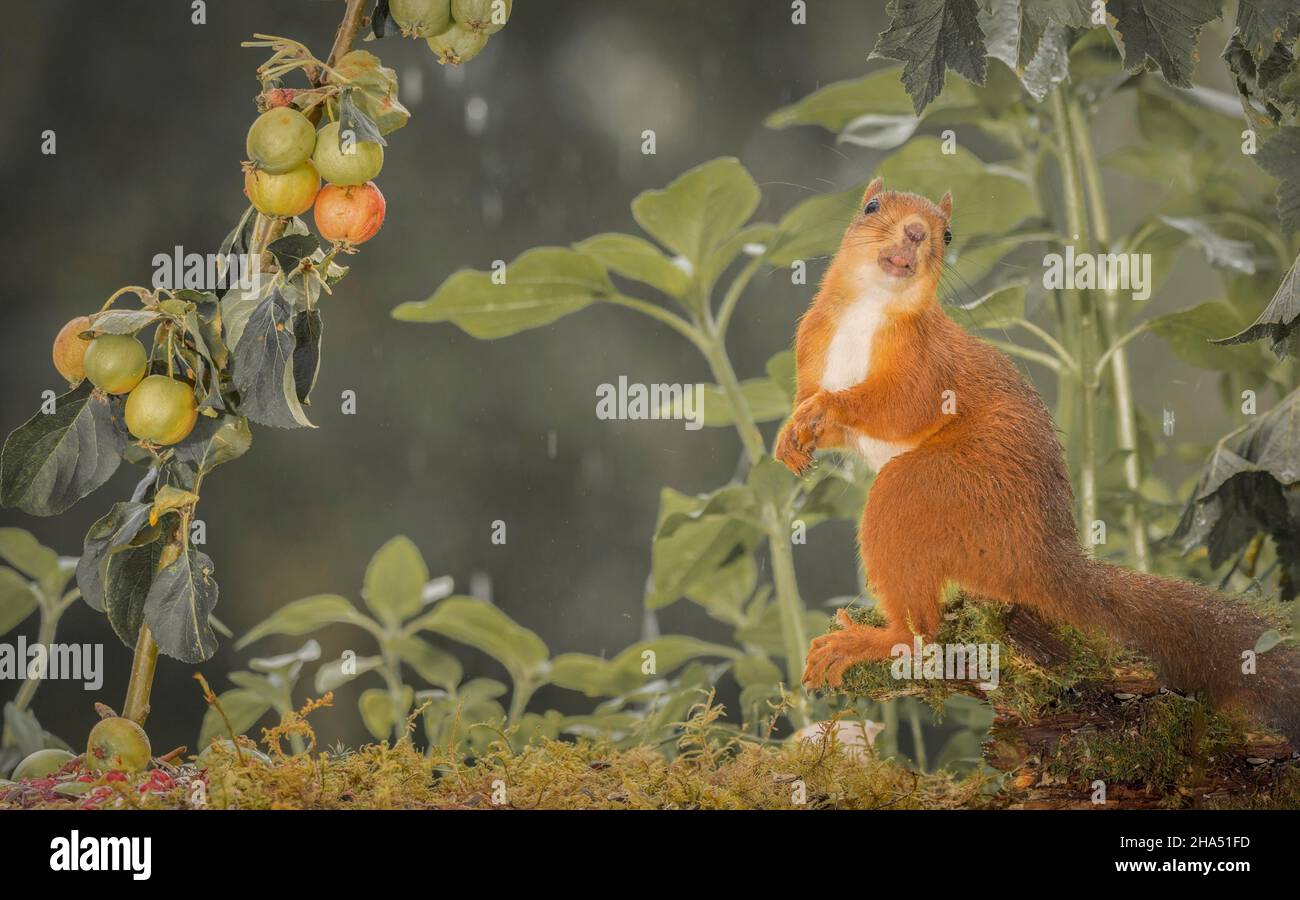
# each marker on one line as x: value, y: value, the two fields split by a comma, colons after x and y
x: 790, y: 454
x: 806, y: 423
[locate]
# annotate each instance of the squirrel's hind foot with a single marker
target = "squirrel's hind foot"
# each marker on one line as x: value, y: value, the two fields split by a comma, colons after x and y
x: 831, y: 655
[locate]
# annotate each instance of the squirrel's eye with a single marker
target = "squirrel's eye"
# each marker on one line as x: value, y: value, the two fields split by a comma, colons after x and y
x: 872, y: 205
x: 947, y: 235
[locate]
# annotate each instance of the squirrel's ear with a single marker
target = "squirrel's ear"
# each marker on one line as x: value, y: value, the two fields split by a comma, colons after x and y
x: 945, y: 205
x: 876, y: 186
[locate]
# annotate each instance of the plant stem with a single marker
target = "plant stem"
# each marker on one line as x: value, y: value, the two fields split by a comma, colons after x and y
x: 720, y: 365
x: 45, y: 636
x: 1125, y: 409
x: 143, y: 664
x: 521, y: 692
x: 789, y: 604
x: 1079, y: 307
x: 393, y: 681
x: 671, y: 319
x: 734, y: 290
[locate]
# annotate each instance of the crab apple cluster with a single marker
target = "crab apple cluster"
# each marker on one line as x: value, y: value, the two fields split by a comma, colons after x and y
x: 456, y: 30
x: 288, y: 158
x: 159, y: 408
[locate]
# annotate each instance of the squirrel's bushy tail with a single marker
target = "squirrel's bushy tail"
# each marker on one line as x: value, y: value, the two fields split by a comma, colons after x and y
x: 1196, y: 637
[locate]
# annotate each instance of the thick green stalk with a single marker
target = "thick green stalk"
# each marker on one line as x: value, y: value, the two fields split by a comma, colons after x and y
x: 143, y: 663
x: 1112, y: 320
x: 789, y: 604
x: 1082, y: 316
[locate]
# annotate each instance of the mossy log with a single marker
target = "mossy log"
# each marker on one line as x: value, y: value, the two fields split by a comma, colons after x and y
x: 1081, y: 724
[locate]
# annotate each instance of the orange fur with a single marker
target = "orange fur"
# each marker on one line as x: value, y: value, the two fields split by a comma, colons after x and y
x: 980, y: 494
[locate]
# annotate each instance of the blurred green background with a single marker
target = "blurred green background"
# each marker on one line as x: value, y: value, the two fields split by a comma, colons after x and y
x: 538, y: 141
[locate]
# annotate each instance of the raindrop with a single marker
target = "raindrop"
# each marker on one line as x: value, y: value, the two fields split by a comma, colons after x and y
x: 476, y: 111
x: 412, y: 85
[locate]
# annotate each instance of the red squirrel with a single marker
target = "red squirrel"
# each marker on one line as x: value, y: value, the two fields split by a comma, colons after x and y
x: 971, y: 484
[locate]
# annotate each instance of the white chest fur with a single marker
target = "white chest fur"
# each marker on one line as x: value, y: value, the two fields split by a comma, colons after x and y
x: 848, y: 362
x: 848, y: 359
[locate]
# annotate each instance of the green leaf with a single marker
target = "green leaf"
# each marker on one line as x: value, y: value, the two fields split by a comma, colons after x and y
x: 1220, y: 252
x: 1190, y: 334
x: 17, y: 599
x: 1278, y: 320
x: 292, y: 249
x: 832, y: 497
x: 929, y: 37
x: 1260, y: 22
x: 700, y: 209
x: 433, y: 664
x: 1268, y: 640
x: 961, y: 753
x: 640, y: 663
x: 765, y: 631
x: 243, y: 707
x: 378, y: 712
x: 238, y: 304
x: 263, y: 366
x: 473, y: 704
x: 1000, y: 308
x: 307, y: 330
x: 1164, y: 31
x: 1030, y: 37
x: 814, y: 227
x: 213, y: 442
x: 636, y: 258
x: 723, y: 593
x: 395, y: 580
x: 771, y: 482
x: 484, y: 627
x: 972, y: 260
x: 780, y: 370
x: 378, y: 88
x: 836, y: 105
x: 128, y: 578
x: 123, y: 321
x: 52, y: 461
x: 729, y: 501
x: 331, y: 675
x: 38, y: 562
x: 1280, y: 157
x: 260, y: 686
x: 23, y: 735
x: 304, y: 616
x: 766, y: 400
x: 114, y: 533
x: 178, y: 607
x: 755, y: 668
x: 873, y: 111
x: 751, y: 240
x: 283, y: 669
x: 353, y: 119
x: 1244, y: 486
x: 542, y: 285
x: 698, y: 545
x: 1037, y: 18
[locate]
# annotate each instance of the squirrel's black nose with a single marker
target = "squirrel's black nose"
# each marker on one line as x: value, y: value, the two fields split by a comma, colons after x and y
x: 914, y: 232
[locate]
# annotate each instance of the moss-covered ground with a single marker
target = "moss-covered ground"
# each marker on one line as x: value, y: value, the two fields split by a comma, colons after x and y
x: 1076, y: 722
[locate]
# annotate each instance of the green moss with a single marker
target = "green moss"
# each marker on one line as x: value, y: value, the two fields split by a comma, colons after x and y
x: 1025, y: 686
x: 559, y: 775
x: 1163, y: 743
